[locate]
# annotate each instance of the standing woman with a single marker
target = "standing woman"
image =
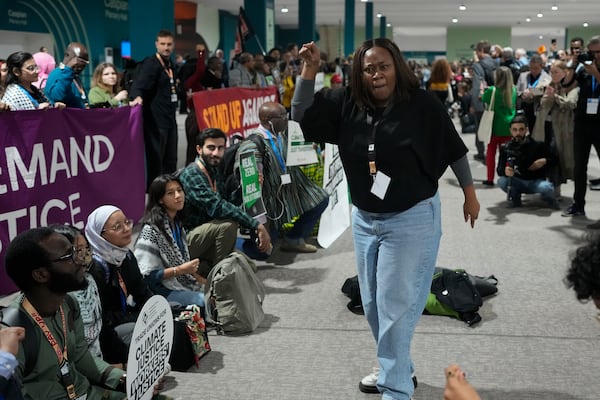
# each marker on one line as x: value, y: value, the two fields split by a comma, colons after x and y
x: 161, y: 248
x: 555, y: 122
x: 20, y: 93
x: 505, y: 101
x: 105, y: 91
x: 439, y: 82
x: 123, y: 291
x: 395, y: 142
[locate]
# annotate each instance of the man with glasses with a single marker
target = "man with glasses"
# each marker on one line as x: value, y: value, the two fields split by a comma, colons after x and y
x: 64, y: 83
x: 286, y: 191
x: 45, y: 266
x: 587, y: 127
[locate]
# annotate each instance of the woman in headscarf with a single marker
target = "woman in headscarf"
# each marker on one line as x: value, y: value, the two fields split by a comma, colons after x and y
x: 123, y: 291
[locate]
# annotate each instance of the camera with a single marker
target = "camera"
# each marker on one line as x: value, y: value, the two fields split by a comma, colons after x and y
x: 585, y: 57
x: 513, y: 152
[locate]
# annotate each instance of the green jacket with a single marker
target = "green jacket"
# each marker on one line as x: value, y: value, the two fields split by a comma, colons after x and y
x: 503, y: 113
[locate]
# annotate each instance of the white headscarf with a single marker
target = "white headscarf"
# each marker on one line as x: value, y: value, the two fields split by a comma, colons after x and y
x: 101, y: 247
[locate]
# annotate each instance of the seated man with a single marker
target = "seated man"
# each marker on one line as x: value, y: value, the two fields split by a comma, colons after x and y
x: 522, y: 166
x: 44, y: 265
x: 286, y: 191
x: 211, y: 220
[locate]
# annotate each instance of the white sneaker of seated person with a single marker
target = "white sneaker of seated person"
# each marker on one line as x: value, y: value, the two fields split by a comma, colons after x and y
x: 368, y: 384
x: 297, y: 246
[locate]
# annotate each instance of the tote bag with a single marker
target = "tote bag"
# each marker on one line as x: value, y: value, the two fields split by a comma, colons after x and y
x: 484, y: 132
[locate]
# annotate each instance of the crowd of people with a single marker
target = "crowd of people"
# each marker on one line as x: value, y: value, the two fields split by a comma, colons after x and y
x: 392, y: 121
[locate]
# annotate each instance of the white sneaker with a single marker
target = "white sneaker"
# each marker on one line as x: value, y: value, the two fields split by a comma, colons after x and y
x: 368, y: 384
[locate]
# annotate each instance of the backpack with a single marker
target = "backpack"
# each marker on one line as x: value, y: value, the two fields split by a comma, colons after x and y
x: 234, y: 295
x: 11, y: 316
x: 455, y: 290
x: 231, y: 175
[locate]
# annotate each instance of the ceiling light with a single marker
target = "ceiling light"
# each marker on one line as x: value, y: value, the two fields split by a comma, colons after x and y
x: 379, y: 15
x: 541, y: 37
x: 462, y: 7
x: 585, y: 24
x: 284, y: 10
x: 527, y: 19
x: 540, y: 15
x: 554, y: 7
x: 389, y: 25
x: 364, y: 1
x: 454, y: 20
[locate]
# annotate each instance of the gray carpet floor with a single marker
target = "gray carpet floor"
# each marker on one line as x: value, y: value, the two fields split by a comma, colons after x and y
x: 535, y: 342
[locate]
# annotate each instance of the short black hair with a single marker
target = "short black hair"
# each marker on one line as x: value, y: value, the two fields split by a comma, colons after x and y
x: 164, y: 33
x: 209, y: 133
x: 24, y: 254
x: 519, y: 118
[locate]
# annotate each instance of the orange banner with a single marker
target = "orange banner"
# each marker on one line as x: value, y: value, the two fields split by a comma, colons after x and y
x: 233, y: 110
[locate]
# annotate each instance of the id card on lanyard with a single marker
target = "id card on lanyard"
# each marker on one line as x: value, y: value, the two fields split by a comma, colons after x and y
x: 169, y: 72
x: 381, y: 181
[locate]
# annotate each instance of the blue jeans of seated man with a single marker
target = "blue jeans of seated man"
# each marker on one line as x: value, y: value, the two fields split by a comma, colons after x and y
x: 395, y: 256
x: 307, y: 221
x: 519, y: 186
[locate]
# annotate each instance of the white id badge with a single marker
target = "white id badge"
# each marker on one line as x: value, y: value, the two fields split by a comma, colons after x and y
x: 286, y: 179
x: 173, y: 97
x: 380, y: 185
x: 592, y: 106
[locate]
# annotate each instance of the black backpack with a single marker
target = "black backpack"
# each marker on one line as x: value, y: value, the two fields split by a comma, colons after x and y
x: 231, y: 177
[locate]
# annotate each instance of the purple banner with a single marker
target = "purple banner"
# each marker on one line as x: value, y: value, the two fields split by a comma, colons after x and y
x: 57, y: 166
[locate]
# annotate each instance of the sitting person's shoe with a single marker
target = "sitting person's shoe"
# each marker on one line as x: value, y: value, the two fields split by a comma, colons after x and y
x: 300, y: 247
x: 488, y: 183
x: 514, y: 204
x: 573, y: 211
x: 368, y: 384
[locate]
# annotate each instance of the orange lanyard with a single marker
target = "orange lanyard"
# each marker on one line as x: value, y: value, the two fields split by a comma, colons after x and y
x: 213, y: 184
x: 60, y: 354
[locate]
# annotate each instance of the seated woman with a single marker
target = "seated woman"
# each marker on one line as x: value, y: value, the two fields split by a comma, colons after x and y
x: 105, y: 91
x: 88, y: 298
x: 20, y: 93
x: 123, y: 291
x: 161, y: 248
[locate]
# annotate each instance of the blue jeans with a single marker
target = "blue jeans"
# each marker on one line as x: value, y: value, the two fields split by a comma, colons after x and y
x: 519, y: 186
x: 186, y: 297
x: 395, y: 256
x: 304, y: 225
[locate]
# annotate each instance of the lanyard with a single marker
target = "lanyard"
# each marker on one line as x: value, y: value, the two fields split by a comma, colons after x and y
x: 213, y: 184
x: 36, y: 104
x: 168, y: 71
x: 594, y: 85
x: 61, y: 354
x: 176, y: 229
x: 534, y: 84
x: 371, y: 147
x: 277, y: 149
x: 123, y: 291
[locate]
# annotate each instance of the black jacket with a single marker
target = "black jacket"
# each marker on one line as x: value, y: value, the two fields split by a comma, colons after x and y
x: 524, y: 154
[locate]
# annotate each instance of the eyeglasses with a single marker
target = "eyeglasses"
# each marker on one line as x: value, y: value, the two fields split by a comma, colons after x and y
x: 371, y: 70
x: 120, y: 226
x: 32, y: 68
x: 72, y: 255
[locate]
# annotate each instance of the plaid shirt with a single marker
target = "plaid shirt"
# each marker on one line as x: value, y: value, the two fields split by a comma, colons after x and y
x: 203, y: 205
